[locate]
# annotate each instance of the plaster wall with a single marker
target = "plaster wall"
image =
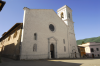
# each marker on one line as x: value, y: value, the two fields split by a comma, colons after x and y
x: 11, y: 48
x: 38, y: 21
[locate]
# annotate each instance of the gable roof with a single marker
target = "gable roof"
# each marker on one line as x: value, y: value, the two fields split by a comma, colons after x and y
x: 46, y: 10
x: 11, y: 30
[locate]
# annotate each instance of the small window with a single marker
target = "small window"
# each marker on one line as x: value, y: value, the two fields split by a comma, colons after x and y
x: 9, y: 38
x: 35, y: 47
x: 15, y: 34
x: 64, y: 41
x: 35, y: 36
x: 64, y: 49
x: 68, y: 15
x: 62, y: 15
x: 98, y: 55
x: 92, y: 50
x: 97, y: 49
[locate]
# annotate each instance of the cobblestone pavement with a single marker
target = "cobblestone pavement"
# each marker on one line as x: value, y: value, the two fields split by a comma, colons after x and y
x: 52, y: 62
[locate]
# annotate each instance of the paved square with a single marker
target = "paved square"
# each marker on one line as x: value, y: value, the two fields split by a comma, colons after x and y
x: 52, y: 62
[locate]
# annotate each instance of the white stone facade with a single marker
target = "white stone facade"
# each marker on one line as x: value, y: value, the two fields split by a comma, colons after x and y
x: 37, y: 21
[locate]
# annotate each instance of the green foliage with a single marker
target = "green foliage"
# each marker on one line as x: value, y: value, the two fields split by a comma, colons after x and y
x: 90, y: 39
x: 94, y: 39
x: 97, y: 39
x: 79, y: 42
x: 82, y: 42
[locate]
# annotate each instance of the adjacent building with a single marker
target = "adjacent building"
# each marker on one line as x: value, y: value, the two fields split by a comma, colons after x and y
x: 82, y: 51
x: 92, y: 49
x: 42, y: 35
x: 10, y: 42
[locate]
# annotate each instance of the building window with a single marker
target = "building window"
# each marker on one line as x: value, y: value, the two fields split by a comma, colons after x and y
x: 64, y: 41
x: 64, y: 49
x: 97, y: 49
x: 35, y: 47
x: 9, y: 38
x: 92, y: 50
x: 98, y: 55
x: 51, y: 27
x: 68, y: 15
x: 35, y: 36
x: 15, y: 34
x: 62, y: 15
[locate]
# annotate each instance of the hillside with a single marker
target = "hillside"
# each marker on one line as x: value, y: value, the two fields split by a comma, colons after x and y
x: 94, y: 39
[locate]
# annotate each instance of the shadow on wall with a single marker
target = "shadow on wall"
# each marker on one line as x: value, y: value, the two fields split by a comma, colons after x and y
x: 11, y: 51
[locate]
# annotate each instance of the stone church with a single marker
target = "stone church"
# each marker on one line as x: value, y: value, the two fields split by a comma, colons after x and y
x: 42, y: 35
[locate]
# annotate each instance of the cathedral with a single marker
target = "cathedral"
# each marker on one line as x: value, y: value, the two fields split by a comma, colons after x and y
x: 42, y: 35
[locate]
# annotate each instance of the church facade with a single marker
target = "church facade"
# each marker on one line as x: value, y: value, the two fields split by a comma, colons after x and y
x: 46, y: 35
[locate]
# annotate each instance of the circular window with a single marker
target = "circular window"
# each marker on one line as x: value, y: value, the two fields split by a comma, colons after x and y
x: 51, y: 27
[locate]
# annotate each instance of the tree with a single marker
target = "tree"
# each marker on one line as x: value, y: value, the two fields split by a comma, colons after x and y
x: 83, y: 42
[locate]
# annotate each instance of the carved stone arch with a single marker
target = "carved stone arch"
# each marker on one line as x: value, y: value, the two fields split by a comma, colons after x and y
x: 52, y: 41
x: 53, y: 38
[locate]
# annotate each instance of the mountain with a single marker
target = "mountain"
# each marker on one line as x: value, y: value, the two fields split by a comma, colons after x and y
x: 93, y: 39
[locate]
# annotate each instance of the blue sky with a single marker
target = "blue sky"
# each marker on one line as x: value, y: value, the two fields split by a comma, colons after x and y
x: 86, y: 14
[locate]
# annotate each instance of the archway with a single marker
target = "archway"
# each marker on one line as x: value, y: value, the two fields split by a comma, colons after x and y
x: 52, y: 50
x: 92, y: 55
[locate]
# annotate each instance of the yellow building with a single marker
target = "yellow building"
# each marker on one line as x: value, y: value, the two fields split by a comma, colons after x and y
x: 82, y: 51
x: 10, y: 42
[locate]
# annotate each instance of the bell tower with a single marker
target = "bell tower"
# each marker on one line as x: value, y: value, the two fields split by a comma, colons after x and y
x: 65, y: 13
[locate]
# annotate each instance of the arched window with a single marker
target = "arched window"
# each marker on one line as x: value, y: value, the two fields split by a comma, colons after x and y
x: 64, y: 41
x: 62, y: 15
x: 35, y: 36
x: 64, y: 49
x: 35, y: 47
x: 15, y: 34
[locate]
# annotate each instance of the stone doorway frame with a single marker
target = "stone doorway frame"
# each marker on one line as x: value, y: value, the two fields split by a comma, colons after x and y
x: 52, y: 40
x: 52, y: 49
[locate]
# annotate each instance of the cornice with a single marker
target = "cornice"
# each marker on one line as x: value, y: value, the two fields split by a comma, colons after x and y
x: 25, y: 8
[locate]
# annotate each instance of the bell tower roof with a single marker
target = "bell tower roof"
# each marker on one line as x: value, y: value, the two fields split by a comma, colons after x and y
x: 65, y: 6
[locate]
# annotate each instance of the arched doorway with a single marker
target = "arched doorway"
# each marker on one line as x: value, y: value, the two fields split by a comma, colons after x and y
x: 52, y: 50
x: 92, y: 55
